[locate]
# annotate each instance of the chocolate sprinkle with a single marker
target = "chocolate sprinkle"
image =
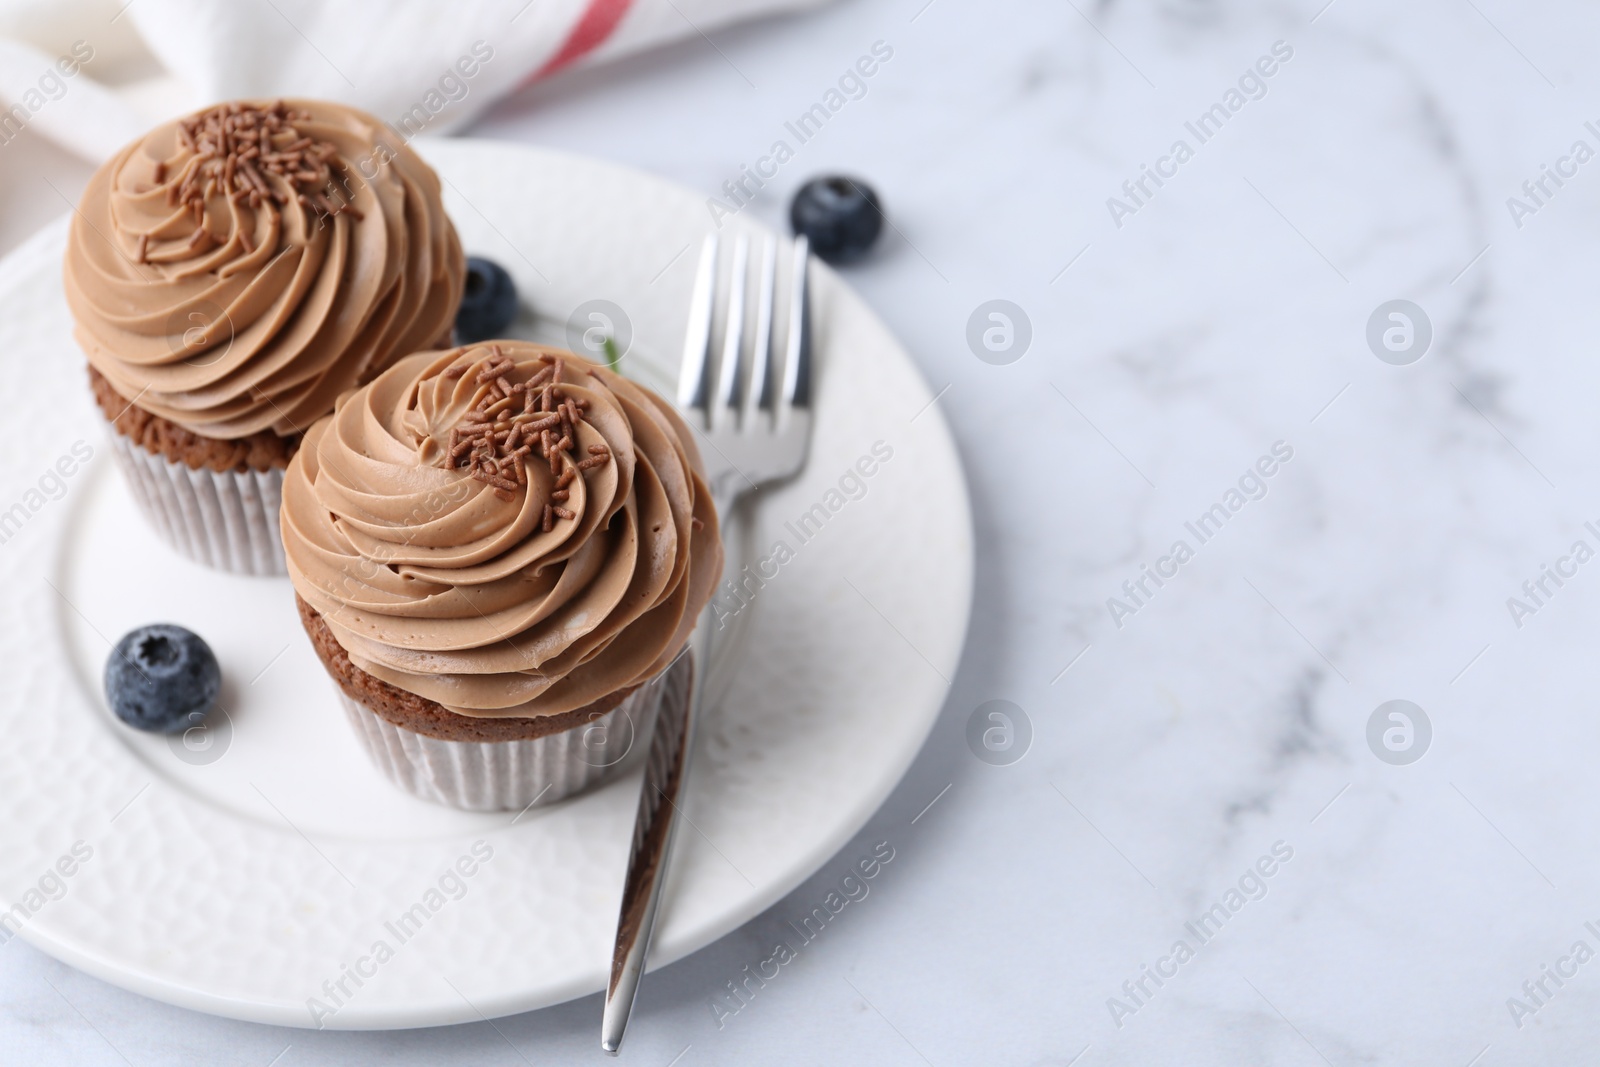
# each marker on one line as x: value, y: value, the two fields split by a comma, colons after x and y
x: 493, y: 441
x: 235, y: 144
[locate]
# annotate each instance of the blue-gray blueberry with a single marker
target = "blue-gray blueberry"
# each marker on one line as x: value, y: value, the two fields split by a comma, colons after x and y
x: 488, y: 302
x: 840, y: 216
x: 162, y: 678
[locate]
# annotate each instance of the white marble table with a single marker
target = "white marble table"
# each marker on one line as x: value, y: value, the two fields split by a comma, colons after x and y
x: 1214, y: 727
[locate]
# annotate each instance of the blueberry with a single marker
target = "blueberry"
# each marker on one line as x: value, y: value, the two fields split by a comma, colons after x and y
x: 840, y: 216
x: 162, y: 678
x: 488, y: 304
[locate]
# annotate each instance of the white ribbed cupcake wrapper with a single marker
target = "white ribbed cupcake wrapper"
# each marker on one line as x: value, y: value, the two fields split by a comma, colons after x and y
x: 227, y: 520
x: 509, y: 775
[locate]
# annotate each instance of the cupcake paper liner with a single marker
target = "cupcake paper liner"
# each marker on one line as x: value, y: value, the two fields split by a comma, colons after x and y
x: 224, y: 519
x: 513, y: 775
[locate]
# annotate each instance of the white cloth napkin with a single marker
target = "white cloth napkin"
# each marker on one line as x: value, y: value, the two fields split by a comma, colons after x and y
x: 90, y: 75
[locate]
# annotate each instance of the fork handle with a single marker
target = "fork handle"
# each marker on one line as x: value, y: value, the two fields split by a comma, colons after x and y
x: 665, y: 774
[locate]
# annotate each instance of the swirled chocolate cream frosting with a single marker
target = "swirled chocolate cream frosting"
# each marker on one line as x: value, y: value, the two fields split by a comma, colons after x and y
x: 233, y: 272
x: 503, y: 529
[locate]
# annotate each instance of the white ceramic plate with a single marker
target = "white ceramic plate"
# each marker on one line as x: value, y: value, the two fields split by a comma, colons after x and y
x: 256, y: 871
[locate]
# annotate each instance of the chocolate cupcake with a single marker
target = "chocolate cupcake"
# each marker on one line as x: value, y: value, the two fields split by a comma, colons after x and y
x: 231, y: 274
x: 498, y: 551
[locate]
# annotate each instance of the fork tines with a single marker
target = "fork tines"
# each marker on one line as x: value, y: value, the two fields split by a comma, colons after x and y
x: 731, y: 368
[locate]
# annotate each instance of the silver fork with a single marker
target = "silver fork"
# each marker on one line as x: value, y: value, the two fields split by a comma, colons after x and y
x: 752, y: 420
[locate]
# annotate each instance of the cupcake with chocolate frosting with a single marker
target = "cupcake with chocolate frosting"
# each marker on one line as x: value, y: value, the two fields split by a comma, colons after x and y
x: 498, y: 550
x: 231, y: 274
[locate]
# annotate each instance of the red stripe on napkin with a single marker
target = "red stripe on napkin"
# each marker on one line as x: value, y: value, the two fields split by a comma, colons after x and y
x: 599, y: 21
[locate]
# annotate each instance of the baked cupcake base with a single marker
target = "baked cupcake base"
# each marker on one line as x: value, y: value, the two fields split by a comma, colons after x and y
x: 214, y: 501
x: 489, y: 764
